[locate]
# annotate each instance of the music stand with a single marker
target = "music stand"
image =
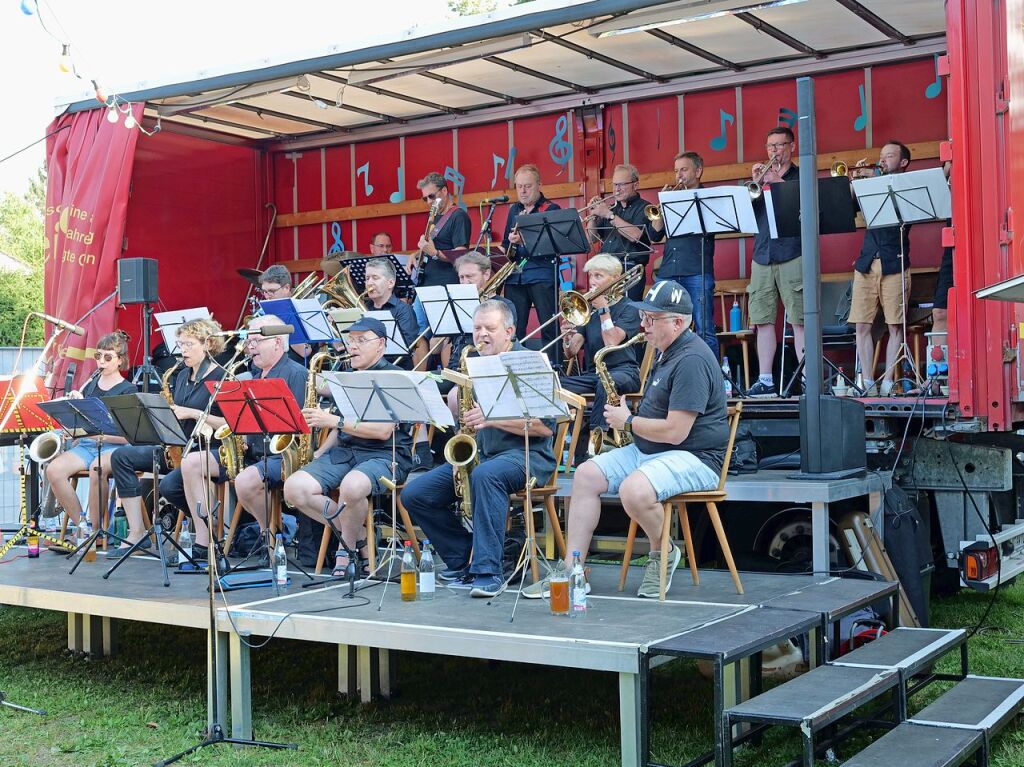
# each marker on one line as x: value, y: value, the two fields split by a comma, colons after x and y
x: 305, y: 315
x: 449, y: 310
x: 169, y: 322
x: 147, y: 419
x: 87, y: 417
x: 262, y: 407
x: 511, y: 386
x: 357, y: 272
x: 387, y: 396
x: 395, y: 344
x: 899, y: 199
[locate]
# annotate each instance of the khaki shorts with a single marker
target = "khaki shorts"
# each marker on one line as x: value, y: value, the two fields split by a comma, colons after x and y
x: 768, y: 284
x: 874, y: 289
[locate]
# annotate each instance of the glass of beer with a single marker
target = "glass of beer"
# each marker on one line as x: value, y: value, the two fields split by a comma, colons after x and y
x: 559, y: 598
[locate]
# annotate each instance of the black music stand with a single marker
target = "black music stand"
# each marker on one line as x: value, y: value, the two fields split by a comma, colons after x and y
x: 263, y: 407
x: 88, y: 417
x: 357, y: 272
x: 147, y: 419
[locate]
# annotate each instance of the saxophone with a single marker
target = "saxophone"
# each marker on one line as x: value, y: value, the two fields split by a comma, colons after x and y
x: 461, y: 450
x: 305, y: 444
x: 597, y: 435
x: 172, y: 453
x: 232, y: 446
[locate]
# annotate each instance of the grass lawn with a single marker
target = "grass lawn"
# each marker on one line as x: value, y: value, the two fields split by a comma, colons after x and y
x: 149, y: 702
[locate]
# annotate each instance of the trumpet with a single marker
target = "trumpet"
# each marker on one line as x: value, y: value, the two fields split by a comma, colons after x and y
x: 842, y: 168
x: 754, y: 185
x: 593, y: 204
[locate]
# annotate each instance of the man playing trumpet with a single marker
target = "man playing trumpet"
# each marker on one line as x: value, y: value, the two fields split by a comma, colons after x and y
x: 622, y: 226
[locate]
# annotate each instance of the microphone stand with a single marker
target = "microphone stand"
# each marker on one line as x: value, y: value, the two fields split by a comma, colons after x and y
x: 485, y: 229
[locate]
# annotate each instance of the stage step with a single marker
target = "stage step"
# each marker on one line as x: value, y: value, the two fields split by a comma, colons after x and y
x: 918, y: 745
x: 978, y: 703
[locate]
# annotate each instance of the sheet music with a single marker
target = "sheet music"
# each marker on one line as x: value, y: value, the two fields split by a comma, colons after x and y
x: 769, y: 207
x: 920, y: 195
x: 440, y: 414
x: 449, y: 318
x: 314, y: 319
x: 723, y: 208
x: 395, y: 344
x: 169, y: 323
x: 496, y: 394
x: 399, y: 397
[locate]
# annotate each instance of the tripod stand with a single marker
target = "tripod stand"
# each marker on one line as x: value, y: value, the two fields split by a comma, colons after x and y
x: 146, y: 372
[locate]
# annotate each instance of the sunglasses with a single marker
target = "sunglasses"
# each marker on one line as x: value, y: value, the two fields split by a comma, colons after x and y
x: 105, y: 356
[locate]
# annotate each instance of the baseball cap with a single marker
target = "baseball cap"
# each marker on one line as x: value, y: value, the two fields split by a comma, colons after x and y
x: 666, y: 296
x: 370, y: 324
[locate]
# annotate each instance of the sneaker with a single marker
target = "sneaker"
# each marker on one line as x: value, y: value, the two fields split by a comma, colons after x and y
x: 652, y: 573
x: 422, y: 458
x: 487, y: 586
x: 200, y: 553
x: 465, y: 583
x: 541, y: 589
x: 886, y: 388
x: 761, y: 390
x: 453, y: 574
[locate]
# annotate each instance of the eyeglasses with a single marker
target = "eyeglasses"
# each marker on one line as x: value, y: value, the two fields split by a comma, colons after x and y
x: 622, y: 184
x: 186, y: 345
x: 254, y: 341
x: 364, y: 341
x: 430, y: 197
x: 105, y: 356
x: 271, y: 291
x: 778, y: 146
x: 645, y: 317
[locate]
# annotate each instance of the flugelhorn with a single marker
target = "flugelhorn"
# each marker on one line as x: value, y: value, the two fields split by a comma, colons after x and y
x: 653, y: 211
x: 754, y: 185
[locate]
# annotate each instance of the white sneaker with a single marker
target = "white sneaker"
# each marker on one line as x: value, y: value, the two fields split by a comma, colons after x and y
x: 886, y: 388
x: 650, y: 587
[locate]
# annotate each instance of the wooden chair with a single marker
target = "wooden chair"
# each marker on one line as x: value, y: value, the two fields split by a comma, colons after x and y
x: 741, y: 336
x: 711, y: 498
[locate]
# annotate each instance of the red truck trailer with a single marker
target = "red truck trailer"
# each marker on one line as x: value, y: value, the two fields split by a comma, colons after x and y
x: 284, y: 162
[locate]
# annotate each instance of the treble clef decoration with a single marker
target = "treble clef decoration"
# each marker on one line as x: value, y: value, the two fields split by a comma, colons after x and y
x: 559, y: 148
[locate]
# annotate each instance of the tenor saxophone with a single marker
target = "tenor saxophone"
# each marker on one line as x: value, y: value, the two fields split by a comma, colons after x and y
x: 597, y: 435
x: 461, y: 450
x: 172, y: 453
x: 232, y: 446
x: 306, y: 443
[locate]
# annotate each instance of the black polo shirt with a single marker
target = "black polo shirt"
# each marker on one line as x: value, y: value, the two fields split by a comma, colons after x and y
x: 687, y: 377
x: 536, y: 270
x: 453, y: 234
x: 352, y: 449
x: 688, y: 254
x: 195, y: 394
x: 884, y: 243
x: 614, y: 242
x: 295, y: 376
x: 404, y: 316
x: 624, y: 315
x: 781, y: 249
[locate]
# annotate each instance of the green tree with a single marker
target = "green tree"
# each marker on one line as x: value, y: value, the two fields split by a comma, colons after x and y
x: 22, y: 236
x: 472, y: 7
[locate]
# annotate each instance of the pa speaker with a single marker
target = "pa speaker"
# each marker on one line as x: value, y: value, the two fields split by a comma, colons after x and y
x: 136, y: 281
x: 839, y: 449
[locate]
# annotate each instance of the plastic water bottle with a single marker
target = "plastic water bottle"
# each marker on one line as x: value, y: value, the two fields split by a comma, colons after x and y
x: 185, y: 539
x: 577, y: 588
x: 121, y: 523
x: 408, y: 576
x: 735, y: 317
x: 727, y: 373
x: 427, y: 582
x: 84, y: 531
x: 33, y: 540
x: 280, y: 562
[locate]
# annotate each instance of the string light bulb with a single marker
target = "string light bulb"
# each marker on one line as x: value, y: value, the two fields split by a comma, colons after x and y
x: 129, y: 121
x: 112, y: 114
x: 101, y: 95
x: 66, y: 65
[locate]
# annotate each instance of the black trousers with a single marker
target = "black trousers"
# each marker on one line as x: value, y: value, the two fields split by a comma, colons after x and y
x: 540, y: 296
x: 627, y: 381
x: 127, y: 460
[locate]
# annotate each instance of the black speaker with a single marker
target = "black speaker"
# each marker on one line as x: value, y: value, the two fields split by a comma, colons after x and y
x: 136, y: 281
x: 840, y: 448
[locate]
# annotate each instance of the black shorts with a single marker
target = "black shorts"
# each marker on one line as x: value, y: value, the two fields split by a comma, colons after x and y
x: 945, y: 281
x: 330, y: 474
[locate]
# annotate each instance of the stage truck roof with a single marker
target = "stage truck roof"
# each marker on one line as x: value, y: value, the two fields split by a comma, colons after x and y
x: 534, y: 58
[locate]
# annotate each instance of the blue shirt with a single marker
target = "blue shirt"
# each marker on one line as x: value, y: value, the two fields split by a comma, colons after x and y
x: 536, y: 270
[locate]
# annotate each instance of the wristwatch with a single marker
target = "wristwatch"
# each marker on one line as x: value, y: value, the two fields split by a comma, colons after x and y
x: 628, y: 425
x: 603, y: 310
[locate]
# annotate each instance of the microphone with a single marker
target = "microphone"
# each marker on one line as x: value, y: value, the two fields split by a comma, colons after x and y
x: 266, y: 330
x: 496, y: 200
x: 77, y: 330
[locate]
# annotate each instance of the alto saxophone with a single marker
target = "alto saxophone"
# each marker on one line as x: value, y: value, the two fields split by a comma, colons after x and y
x: 597, y: 435
x: 172, y: 453
x: 232, y: 446
x: 306, y: 443
x: 461, y: 450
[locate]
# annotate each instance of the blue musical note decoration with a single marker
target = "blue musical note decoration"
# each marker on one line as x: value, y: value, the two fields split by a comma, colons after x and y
x: 613, y: 140
x: 721, y: 141
x: 559, y: 148
x: 339, y: 245
x: 364, y: 171
x: 499, y: 162
x: 399, y: 195
x: 862, y: 119
x: 458, y: 181
x: 787, y: 117
x: 934, y: 89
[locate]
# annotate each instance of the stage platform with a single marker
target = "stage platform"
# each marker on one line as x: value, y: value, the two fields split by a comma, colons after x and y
x: 616, y: 636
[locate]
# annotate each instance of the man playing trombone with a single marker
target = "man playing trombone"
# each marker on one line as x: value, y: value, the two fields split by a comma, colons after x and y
x: 689, y: 259
x: 621, y: 226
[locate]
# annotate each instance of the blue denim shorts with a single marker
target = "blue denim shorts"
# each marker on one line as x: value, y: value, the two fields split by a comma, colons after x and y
x: 85, y: 449
x: 670, y: 473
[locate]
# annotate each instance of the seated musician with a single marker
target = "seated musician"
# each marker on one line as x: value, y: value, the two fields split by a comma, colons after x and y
x: 198, y: 345
x: 380, y: 296
x: 270, y: 360
x: 111, y: 359
x: 608, y: 326
x: 622, y: 227
x: 501, y: 471
x: 680, y: 433
x: 354, y: 457
x: 276, y: 282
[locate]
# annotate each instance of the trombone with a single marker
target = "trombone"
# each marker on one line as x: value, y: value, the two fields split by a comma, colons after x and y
x: 754, y: 185
x: 592, y: 204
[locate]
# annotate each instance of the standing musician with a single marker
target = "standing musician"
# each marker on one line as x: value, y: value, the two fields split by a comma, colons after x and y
x: 501, y: 471
x: 609, y: 325
x: 537, y: 284
x: 777, y: 269
x: 380, y: 296
x: 877, y: 279
x: 622, y: 226
x: 689, y: 259
x: 276, y: 282
x: 354, y: 457
x: 680, y: 433
x: 198, y: 344
x: 111, y: 359
x: 269, y: 360
x: 451, y: 232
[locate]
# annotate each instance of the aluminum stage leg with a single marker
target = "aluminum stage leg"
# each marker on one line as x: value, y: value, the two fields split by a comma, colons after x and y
x: 241, y: 688
x: 629, y: 718
x: 819, y: 537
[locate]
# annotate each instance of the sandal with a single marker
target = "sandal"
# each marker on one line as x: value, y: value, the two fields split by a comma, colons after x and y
x: 342, y: 562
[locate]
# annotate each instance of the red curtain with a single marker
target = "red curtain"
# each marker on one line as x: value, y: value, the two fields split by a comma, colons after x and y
x: 89, y: 167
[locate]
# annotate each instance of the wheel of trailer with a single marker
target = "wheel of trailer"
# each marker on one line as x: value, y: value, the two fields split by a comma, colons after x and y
x: 785, y: 538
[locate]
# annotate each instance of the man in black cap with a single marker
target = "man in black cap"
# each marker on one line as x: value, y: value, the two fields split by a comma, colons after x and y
x: 680, y: 432
x: 354, y: 456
